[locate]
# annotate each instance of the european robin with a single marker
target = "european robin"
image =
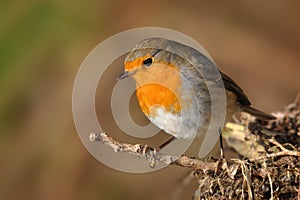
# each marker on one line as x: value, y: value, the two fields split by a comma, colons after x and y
x: 172, y: 92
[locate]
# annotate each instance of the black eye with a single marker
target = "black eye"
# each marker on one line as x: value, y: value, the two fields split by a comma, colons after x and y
x: 148, y: 62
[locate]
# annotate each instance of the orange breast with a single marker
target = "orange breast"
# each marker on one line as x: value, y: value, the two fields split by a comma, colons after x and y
x: 152, y: 94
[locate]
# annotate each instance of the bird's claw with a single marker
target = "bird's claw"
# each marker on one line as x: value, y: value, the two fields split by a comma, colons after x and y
x: 150, y: 155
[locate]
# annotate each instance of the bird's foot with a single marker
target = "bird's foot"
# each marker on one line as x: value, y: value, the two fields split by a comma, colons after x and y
x: 150, y: 155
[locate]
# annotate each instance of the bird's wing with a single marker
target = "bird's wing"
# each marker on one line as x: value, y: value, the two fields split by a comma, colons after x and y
x: 233, y: 87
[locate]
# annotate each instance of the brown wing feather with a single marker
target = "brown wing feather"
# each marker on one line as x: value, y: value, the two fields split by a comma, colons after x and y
x: 233, y: 87
x: 243, y: 99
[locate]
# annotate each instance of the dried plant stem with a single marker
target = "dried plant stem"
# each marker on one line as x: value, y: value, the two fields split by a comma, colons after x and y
x: 283, y: 152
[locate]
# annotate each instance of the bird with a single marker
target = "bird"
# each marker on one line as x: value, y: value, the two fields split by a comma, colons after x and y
x: 172, y: 87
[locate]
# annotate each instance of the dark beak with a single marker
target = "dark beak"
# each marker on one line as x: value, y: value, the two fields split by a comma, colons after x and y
x: 125, y: 74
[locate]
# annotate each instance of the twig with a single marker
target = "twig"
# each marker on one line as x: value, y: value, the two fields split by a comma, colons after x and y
x: 271, y: 140
x: 150, y: 153
x: 283, y: 152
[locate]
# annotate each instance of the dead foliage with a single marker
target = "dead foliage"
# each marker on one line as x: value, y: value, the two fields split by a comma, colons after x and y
x: 274, y: 171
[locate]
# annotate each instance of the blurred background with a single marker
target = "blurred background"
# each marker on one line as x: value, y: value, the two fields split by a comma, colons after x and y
x: 42, y: 44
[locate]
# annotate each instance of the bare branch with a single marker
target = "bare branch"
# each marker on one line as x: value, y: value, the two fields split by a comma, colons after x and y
x: 150, y: 153
x: 283, y: 152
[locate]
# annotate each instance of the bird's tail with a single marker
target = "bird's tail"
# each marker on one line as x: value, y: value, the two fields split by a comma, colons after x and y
x: 257, y: 113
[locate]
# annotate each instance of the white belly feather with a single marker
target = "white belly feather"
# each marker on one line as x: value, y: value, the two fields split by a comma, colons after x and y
x: 182, y: 125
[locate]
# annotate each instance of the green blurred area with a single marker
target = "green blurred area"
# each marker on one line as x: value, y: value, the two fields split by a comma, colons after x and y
x: 42, y: 44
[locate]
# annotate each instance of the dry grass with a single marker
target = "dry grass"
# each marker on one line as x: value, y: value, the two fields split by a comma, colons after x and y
x: 275, y: 174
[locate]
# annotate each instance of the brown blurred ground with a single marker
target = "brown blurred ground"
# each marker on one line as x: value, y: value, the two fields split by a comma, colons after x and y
x: 42, y: 44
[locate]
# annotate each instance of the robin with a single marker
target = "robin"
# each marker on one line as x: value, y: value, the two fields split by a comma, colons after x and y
x: 172, y: 81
